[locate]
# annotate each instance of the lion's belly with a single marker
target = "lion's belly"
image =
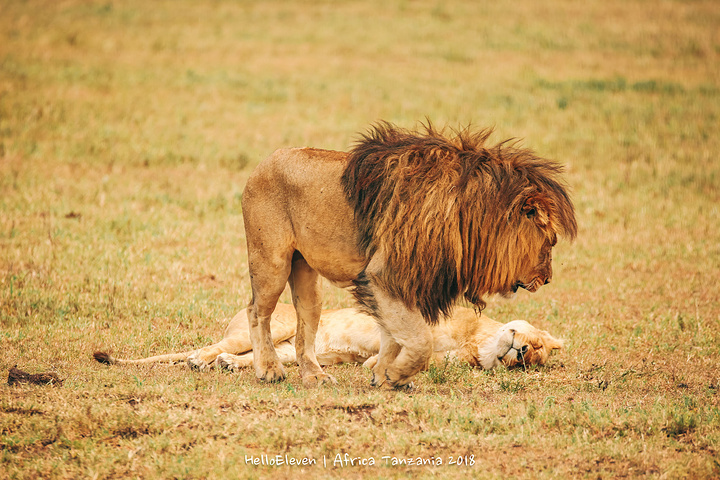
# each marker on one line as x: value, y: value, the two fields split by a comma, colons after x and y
x: 334, y: 261
x: 325, y: 236
x: 329, y: 245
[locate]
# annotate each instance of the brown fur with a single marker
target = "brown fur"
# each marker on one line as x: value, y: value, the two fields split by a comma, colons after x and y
x: 413, y: 221
x: 457, y: 204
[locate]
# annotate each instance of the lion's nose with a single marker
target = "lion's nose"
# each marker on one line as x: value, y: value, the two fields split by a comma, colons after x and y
x: 522, y: 352
x: 547, y: 280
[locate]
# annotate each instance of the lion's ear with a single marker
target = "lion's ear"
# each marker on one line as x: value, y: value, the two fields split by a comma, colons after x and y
x: 535, y: 208
x: 551, y: 343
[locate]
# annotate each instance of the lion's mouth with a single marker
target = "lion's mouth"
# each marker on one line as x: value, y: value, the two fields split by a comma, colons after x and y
x: 530, y: 287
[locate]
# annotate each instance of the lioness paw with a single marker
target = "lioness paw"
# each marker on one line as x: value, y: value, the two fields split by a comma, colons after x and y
x: 197, y: 363
x: 505, y: 343
x: 226, y: 362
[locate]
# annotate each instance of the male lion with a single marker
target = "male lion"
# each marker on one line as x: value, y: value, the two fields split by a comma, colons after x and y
x: 412, y: 221
x: 350, y: 336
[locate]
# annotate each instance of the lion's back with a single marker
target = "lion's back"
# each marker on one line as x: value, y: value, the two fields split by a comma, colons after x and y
x: 299, y: 168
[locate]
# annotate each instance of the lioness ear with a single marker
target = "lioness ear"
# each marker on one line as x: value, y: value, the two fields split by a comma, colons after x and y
x: 551, y: 343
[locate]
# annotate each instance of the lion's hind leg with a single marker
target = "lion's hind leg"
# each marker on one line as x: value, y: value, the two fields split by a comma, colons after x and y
x: 269, y: 237
x: 267, y: 288
x: 269, y: 264
x: 267, y: 364
x: 389, y: 350
x: 305, y: 286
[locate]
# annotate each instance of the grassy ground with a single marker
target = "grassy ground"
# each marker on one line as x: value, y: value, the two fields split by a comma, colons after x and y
x: 127, y: 130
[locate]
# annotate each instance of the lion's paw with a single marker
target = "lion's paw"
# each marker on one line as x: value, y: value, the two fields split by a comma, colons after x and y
x: 377, y: 380
x: 316, y: 379
x: 226, y: 362
x: 273, y: 373
x: 196, y: 363
x: 387, y: 386
x: 383, y: 382
x: 371, y: 362
x: 404, y: 388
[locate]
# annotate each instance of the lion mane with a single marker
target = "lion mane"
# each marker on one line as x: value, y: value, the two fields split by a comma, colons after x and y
x: 444, y: 212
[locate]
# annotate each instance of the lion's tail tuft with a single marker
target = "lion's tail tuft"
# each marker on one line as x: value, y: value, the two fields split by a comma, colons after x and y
x: 104, y: 358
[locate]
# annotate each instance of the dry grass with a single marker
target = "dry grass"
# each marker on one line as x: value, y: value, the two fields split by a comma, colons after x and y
x: 127, y: 131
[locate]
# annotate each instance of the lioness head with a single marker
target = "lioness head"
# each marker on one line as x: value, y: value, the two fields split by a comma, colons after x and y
x: 530, y: 345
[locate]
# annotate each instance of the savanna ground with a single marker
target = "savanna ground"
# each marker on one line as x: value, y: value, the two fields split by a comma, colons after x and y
x: 127, y: 130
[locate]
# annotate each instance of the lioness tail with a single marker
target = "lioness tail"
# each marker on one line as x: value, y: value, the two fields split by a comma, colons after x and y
x: 108, y: 359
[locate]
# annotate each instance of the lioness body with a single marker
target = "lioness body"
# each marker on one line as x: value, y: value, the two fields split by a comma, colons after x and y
x: 412, y: 222
x: 349, y: 336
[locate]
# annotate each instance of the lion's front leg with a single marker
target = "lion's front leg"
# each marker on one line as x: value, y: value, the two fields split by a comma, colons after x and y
x: 413, y: 357
x: 389, y: 350
x: 406, y: 343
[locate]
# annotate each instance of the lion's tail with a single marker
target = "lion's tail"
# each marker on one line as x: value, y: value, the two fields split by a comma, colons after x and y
x: 108, y: 359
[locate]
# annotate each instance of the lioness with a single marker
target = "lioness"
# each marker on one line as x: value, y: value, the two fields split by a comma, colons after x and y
x: 412, y: 221
x: 348, y: 335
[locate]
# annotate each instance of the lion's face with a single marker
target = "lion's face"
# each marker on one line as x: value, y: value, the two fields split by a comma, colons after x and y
x: 529, y: 345
x: 538, y: 268
x: 535, y: 266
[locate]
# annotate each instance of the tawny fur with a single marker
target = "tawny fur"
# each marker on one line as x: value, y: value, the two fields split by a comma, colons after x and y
x: 413, y: 221
x: 350, y: 336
